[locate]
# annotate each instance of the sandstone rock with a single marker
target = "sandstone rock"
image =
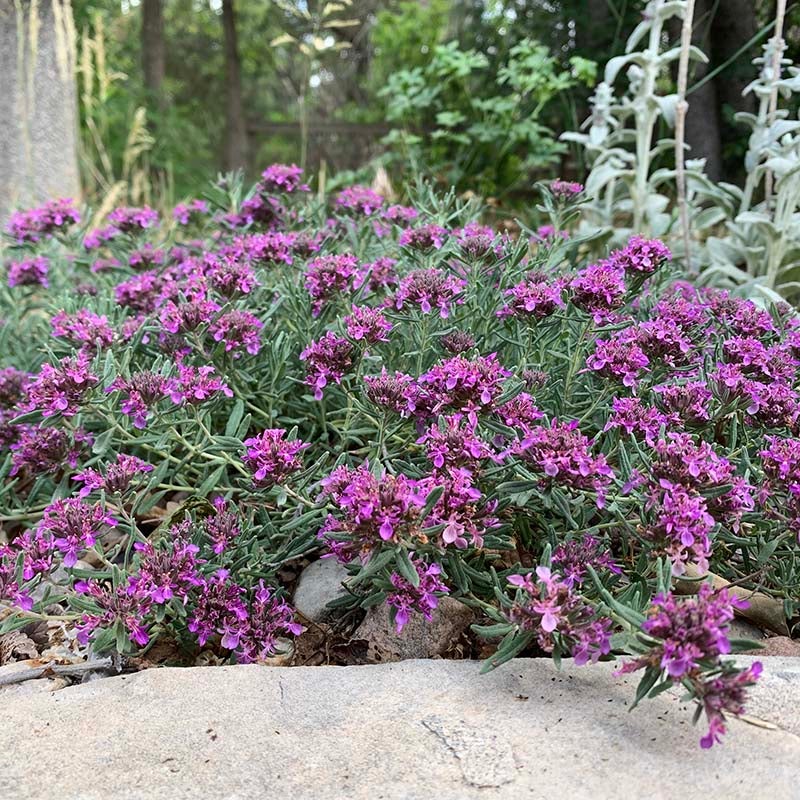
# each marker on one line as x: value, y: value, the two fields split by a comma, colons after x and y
x: 409, y: 731
x: 778, y: 646
x: 319, y: 584
x: 742, y: 629
x: 419, y: 638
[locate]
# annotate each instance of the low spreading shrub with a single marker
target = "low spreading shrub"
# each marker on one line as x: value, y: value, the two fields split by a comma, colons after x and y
x: 187, y: 406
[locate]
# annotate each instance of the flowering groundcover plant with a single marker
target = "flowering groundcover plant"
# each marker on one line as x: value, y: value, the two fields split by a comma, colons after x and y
x: 560, y: 445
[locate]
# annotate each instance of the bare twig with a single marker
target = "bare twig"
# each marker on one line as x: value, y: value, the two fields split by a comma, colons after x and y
x: 23, y: 671
x: 780, y: 14
x: 680, y: 128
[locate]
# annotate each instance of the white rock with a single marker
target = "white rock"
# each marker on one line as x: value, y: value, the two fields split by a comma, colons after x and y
x: 319, y: 584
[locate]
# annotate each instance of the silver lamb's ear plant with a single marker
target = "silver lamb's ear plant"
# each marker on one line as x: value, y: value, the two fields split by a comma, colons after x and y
x: 619, y: 141
x: 760, y: 252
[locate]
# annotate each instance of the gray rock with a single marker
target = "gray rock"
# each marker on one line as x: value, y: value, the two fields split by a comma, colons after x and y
x: 38, y: 106
x: 419, y: 638
x: 320, y: 583
x: 409, y: 731
x: 742, y: 629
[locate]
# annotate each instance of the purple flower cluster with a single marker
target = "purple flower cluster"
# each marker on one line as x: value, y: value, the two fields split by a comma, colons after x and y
x: 534, y: 298
x: 271, y: 457
x: 549, y: 607
x: 117, y: 478
x: 429, y: 289
x: 426, y: 237
x: 328, y: 278
x: 360, y: 200
x: 406, y: 598
x: 368, y: 325
x: 693, y: 631
x: 328, y: 358
x: 39, y: 223
x: 29, y: 272
x: 61, y: 389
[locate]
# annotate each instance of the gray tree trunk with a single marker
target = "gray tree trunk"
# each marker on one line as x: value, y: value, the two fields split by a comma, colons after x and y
x: 38, y: 103
x: 235, y: 124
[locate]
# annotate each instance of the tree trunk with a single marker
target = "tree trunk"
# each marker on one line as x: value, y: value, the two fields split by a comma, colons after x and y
x: 38, y: 103
x: 236, y: 126
x: 703, y: 129
x: 153, y: 50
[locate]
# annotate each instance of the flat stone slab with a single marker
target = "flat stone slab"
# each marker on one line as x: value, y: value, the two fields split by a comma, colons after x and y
x: 414, y: 730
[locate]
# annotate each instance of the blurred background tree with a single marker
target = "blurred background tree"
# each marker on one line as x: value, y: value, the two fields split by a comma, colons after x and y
x: 474, y: 92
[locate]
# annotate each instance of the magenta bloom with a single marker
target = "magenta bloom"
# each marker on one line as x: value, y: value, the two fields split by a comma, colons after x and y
x: 193, y: 211
x: 328, y: 278
x: 422, y: 599
x: 195, y: 385
x: 377, y: 275
x: 169, y: 570
x: 238, y: 330
x: 119, y: 604
x: 536, y: 298
x: 392, y: 392
x: 426, y: 237
x: 549, y: 605
x: 116, y: 479
x: 61, y: 389
x: 73, y: 526
x: 282, y: 179
x: 140, y: 393
x: 84, y: 329
x: 359, y: 200
x: 429, y: 289
x: 618, y: 359
x: 271, y: 457
x: 368, y: 325
x: 31, y: 272
x: 42, y: 451
x: 599, y: 289
x: 400, y: 215
x: 640, y: 255
x: 328, y: 358
x: 566, y: 191
x: 42, y: 222
x: 133, y: 220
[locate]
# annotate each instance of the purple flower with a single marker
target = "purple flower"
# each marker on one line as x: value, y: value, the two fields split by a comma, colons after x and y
x: 452, y: 442
x: 230, y: 276
x: 619, y: 359
x: 169, y: 570
x: 599, y: 290
x: 429, y: 289
x: 563, y: 454
x: 566, y: 191
x: 329, y: 277
x: 238, y: 330
x: 282, y: 179
x: 549, y: 607
x: 140, y: 393
x: 641, y: 256
x: 117, y: 604
x: 13, y: 384
x: 328, y: 358
x: 31, y: 272
x: 195, y: 385
x: 370, y: 509
x: 359, y: 200
x: 457, y: 342
x: 74, y: 526
x: 10, y: 589
x: 636, y: 418
x: 406, y: 598
x: 41, y: 450
x: 273, y: 247
x: 116, y: 479
x: 84, y: 329
x: 463, y: 384
x: 223, y: 527
x: 426, y: 237
x: 368, y: 325
x: 573, y: 557
x: 378, y: 275
x: 38, y: 223
x: 400, y: 215
x: 61, y: 389
x: 130, y: 220
x: 391, y: 392
x: 184, y: 213
x: 478, y: 242
x: 271, y: 457
x: 536, y: 297
x: 185, y: 317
